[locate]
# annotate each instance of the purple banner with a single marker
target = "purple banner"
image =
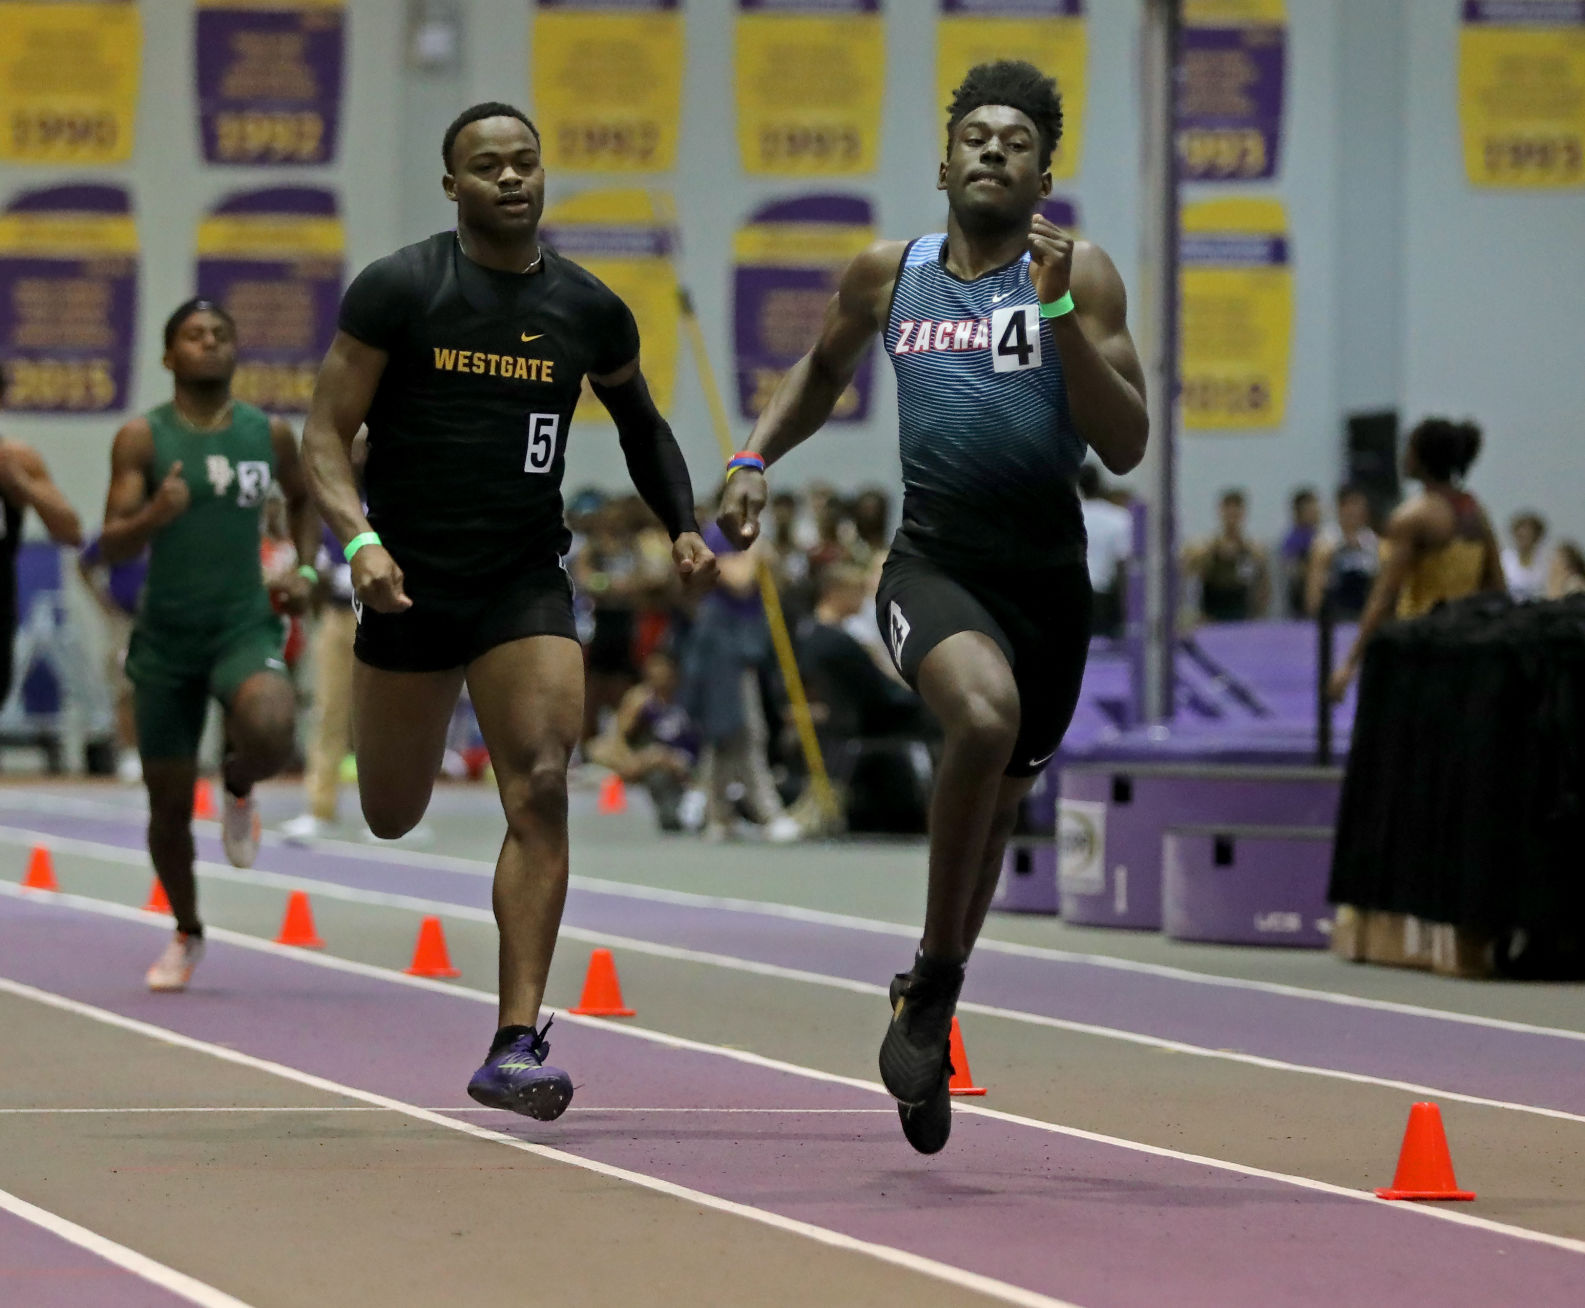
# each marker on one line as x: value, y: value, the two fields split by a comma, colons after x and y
x: 68, y: 299
x: 1230, y: 93
x: 1062, y: 212
x: 613, y: 6
x: 1525, y: 13
x: 812, y: 7
x: 274, y: 259
x: 790, y: 257
x: 1233, y: 250
x: 1016, y: 8
x: 269, y: 83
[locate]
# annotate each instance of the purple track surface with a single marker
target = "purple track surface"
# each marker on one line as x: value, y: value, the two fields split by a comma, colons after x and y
x: 1113, y: 1225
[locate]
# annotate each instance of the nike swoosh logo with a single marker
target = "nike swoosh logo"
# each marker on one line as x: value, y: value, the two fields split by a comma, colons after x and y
x: 527, y: 338
x: 1036, y: 762
x: 997, y: 299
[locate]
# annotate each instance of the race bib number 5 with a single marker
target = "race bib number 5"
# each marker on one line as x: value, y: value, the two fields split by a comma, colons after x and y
x: 543, y: 429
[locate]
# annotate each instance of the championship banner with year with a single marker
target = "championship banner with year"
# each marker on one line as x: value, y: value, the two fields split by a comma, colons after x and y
x: 1237, y: 314
x: 1047, y: 33
x: 274, y: 260
x: 69, y: 80
x: 1230, y: 89
x: 790, y: 256
x: 624, y: 239
x: 68, y: 299
x: 607, y: 83
x: 811, y: 76
x: 1521, y: 92
x: 269, y: 80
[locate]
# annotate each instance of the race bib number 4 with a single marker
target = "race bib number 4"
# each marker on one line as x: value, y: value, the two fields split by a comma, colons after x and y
x: 1015, y: 337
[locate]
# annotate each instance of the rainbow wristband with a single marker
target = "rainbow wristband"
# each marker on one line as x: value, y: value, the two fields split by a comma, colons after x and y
x: 745, y: 459
x: 358, y: 542
x: 1058, y: 308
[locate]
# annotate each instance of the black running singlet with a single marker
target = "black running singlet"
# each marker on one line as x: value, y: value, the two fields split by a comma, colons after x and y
x: 468, y: 427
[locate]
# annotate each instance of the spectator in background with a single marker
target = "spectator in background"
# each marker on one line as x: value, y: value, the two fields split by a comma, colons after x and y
x: 1294, y: 555
x: 1109, y: 532
x: 789, y: 564
x: 117, y: 588
x: 871, y: 511
x: 651, y: 741
x: 607, y: 571
x: 1523, y: 567
x: 854, y: 703
x: 1233, y: 572
x: 1440, y: 545
x: 1566, y: 576
x: 1344, y: 559
x: 834, y: 534
x: 729, y: 649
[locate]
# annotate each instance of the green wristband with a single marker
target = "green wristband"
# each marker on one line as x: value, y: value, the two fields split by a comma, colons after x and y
x: 359, y: 541
x: 309, y: 573
x: 1058, y: 308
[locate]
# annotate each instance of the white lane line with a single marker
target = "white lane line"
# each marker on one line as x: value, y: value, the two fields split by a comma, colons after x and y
x: 129, y: 1260
x: 667, y: 1040
x: 775, y: 971
x: 957, y: 1276
x: 793, y: 912
x: 362, y: 1108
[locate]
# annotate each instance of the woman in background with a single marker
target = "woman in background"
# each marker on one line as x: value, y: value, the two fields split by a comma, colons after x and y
x: 1439, y: 545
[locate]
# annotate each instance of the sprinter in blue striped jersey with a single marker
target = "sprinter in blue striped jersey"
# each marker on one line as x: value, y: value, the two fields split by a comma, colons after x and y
x: 1011, y: 346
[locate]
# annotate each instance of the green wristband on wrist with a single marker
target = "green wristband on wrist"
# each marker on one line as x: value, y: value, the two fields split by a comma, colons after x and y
x: 309, y: 573
x: 1058, y: 308
x: 359, y: 541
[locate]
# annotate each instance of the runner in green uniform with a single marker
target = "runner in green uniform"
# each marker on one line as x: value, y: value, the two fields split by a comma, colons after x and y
x: 189, y: 480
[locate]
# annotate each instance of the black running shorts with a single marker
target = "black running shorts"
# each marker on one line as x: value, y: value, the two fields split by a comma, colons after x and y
x: 1039, y: 618
x: 451, y: 631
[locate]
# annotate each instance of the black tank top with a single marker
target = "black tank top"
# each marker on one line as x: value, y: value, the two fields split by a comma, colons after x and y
x: 468, y: 427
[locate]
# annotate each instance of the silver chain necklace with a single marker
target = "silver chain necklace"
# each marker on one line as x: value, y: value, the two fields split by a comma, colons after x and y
x: 521, y: 272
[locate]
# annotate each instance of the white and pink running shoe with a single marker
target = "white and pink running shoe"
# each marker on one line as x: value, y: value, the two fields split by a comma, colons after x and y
x: 173, y: 969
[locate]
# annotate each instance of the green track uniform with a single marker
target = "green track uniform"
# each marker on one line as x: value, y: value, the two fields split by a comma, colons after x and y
x: 205, y: 625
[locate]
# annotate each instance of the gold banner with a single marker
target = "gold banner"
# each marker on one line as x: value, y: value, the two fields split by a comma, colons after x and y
x: 68, y: 81
x: 1057, y: 45
x: 809, y: 92
x: 1521, y: 93
x: 624, y: 238
x: 1237, y: 314
x: 607, y: 88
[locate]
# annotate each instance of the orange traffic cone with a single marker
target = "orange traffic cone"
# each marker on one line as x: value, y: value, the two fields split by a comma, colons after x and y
x: 157, y: 903
x: 297, y: 928
x: 602, y: 992
x: 429, y: 956
x: 204, y: 800
x: 41, y: 871
x: 613, y: 795
x: 1425, y: 1168
x: 962, y: 1082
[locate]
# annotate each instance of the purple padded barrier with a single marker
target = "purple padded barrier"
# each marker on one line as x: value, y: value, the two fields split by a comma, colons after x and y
x: 1113, y: 816
x: 1242, y: 885
x: 1029, y: 877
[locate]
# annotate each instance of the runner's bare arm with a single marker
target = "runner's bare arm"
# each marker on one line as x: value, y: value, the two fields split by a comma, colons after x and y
x: 807, y: 394
x: 347, y: 381
x: 133, y: 517
x: 1106, y: 384
x: 342, y: 395
x: 301, y: 514
x: 27, y: 480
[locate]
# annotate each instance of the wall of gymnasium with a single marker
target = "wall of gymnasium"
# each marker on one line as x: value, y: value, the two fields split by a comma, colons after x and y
x: 1384, y: 232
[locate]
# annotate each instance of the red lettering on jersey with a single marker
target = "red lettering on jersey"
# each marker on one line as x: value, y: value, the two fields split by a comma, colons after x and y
x: 902, y: 336
x: 943, y: 336
x: 962, y: 334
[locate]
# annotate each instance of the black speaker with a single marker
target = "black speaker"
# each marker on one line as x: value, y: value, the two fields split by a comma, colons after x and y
x: 1370, y: 459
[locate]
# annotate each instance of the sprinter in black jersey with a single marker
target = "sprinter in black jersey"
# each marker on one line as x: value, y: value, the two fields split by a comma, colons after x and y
x: 465, y: 355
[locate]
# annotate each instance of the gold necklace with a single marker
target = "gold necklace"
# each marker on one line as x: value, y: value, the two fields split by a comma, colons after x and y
x: 221, y: 420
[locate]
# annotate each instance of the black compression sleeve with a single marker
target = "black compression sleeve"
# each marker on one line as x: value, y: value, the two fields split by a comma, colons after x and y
x: 654, y: 461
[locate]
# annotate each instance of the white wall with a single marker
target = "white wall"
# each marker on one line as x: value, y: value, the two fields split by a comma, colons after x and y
x: 1411, y: 288
x: 1494, y: 300
x: 172, y: 188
